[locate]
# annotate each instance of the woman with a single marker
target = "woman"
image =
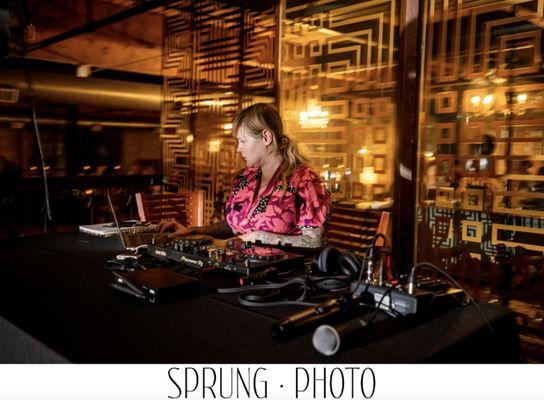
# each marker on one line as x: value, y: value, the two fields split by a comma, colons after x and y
x: 277, y: 198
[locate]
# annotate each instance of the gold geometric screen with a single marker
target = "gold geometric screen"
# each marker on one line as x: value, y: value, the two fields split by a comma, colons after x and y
x: 218, y: 57
x: 338, y: 85
x: 481, y: 161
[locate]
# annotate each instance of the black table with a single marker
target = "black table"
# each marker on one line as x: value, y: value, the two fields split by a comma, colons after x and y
x: 56, y: 306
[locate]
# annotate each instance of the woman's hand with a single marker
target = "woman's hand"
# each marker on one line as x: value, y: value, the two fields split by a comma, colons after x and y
x: 173, y: 225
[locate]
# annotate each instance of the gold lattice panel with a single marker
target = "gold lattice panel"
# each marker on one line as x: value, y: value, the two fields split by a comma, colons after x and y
x: 218, y: 58
x: 341, y: 57
x: 483, y: 121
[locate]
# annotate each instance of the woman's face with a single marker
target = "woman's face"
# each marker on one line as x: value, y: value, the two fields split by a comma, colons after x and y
x: 253, y: 149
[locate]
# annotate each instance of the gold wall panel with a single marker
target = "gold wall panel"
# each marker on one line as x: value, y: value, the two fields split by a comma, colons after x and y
x: 341, y: 58
x: 218, y: 58
x: 497, y: 228
x: 481, y: 138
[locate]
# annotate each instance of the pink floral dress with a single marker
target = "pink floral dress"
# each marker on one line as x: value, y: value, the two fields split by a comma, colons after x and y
x: 304, y: 204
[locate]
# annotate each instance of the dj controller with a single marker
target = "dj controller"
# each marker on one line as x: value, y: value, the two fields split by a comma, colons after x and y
x: 242, y: 258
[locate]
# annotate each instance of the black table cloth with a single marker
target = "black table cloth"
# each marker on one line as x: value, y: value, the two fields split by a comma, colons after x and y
x: 56, y: 306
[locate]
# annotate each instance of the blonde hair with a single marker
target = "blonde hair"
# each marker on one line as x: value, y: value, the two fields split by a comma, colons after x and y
x: 261, y: 116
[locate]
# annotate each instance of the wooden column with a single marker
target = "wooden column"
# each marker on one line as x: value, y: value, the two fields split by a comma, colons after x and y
x: 410, y: 39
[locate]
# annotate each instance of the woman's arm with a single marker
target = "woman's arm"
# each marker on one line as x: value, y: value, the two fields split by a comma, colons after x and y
x: 220, y: 230
x: 311, y: 237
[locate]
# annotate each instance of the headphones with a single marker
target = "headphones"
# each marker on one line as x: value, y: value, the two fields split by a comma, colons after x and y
x: 333, y: 261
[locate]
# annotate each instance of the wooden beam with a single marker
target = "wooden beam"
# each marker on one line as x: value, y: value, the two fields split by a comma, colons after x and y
x: 407, y: 135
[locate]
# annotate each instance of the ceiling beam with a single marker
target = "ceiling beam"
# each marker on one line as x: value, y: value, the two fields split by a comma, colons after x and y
x: 94, y: 25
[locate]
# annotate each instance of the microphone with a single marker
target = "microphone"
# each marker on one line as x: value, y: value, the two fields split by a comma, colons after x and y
x: 330, y: 310
x: 327, y: 339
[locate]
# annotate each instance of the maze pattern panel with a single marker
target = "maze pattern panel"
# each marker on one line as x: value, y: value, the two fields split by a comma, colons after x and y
x: 339, y: 60
x: 218, y: 58
x: 482, y: 133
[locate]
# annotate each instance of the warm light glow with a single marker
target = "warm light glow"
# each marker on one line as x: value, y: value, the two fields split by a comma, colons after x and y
x: 212, y: 103
x: 314, y: 117
x: 227, y: 127
x: 475, y: 100
x: 522, y: 98
x: 190, y: 138
x: 83, y: 71
x: 214, y: 145
x: 326, y: 165
x: 33, y: 168
x: 117, y: 167
x: 88, y: 192
x: 428, y: 154
x: 488, y: 99
x: 86, y: 167
x: 368, y: 177
x: 17, y: 125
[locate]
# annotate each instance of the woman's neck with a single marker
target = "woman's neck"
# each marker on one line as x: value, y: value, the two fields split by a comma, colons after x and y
x: 270, y: 166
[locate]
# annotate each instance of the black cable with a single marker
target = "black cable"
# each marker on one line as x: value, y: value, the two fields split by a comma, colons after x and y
x: 264, y: 286
x: 393, y: 266
x: 387, y: 293
x: 248, y: 303
x: 361, y: 270
x: 44, y: 174
x: 365, y: 256
x: 428, y: 264
x: 307, y: 285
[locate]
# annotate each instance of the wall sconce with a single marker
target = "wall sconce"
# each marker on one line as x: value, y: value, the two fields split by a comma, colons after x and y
x: 475, y: 100
x: 190, y: 138
x: 483, y: 106
x: 214, y: 145
x: 83, y: 70
x: 368, y: 178
x: 429, y: 155
x: 314, y: 117
x: 488, y: 99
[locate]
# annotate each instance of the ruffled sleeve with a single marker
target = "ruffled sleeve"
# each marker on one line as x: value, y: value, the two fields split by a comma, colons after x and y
x: 312, y: 199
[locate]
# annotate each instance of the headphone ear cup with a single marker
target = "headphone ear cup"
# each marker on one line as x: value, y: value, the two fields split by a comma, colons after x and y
x: 327, y: 260
x: 348, y: 263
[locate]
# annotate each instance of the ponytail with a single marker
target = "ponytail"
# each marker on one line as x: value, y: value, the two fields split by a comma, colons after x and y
x: 291, y: 155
